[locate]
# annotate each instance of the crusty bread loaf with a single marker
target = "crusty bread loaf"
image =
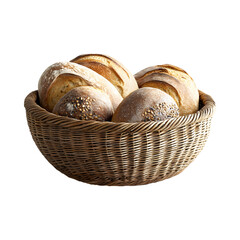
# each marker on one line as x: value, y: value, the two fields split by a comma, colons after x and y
x: 174, y: 81
x: 85, y: 103
x: 60, y: 78
x: 146, y: 104
x: 111, y: 69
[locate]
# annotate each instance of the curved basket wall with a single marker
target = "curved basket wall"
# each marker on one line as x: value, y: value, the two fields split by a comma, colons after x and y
x: 107, y: 153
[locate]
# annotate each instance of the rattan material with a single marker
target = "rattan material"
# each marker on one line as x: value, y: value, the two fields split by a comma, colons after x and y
x: 107, y: 153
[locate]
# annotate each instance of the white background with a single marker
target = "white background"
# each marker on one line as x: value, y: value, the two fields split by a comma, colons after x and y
x: 202, y: 37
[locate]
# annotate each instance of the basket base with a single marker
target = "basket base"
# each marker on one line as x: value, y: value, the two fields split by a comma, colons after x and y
x: 123, y: 181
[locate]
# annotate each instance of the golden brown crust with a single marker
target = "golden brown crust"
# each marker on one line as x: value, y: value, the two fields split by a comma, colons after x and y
x: 146, y: 104
x: 169, y: 66
x: 166, y: 87
x: 183, y: 88
x: 60, y: 78
x: 111, y: 69
x: 147, y: 71
x: 85, y: 103
x: 63, y: 85
x: 49, y: 76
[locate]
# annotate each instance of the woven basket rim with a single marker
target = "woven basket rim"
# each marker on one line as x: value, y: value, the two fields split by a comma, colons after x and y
x: 205, y: 112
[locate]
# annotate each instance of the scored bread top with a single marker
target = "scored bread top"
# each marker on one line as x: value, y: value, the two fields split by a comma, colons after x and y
x: 111, y: 69
x: 174, y: 81
x: 61, y: 77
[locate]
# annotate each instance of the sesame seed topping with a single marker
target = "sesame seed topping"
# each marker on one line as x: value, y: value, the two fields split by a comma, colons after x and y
x: 160, y: 112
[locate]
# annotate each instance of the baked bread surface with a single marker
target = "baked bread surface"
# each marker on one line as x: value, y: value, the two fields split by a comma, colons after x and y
x: 175, y: 82
x: 111, y: 69
x: 61, y: 77
x: 85, y: 103
x: 146, y: 104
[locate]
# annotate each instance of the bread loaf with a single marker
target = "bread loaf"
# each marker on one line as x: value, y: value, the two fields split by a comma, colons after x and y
x: 60, y: 78
x: 146, y: 104
x: 85, y: 103
x: 174, y: 81
x: 111, y: 69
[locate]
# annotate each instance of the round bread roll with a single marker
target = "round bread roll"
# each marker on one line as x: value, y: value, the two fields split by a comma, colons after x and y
x: 174, y: 81
x: 60, y: 78
x: 85, y: 103
x: 111, y: 69
x: 146, y: 104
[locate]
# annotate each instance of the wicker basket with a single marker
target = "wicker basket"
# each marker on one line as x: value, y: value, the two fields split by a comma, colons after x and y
x: 107, y: 153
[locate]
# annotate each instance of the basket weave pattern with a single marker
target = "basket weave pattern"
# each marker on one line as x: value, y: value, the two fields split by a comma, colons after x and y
x: 107, y: 153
